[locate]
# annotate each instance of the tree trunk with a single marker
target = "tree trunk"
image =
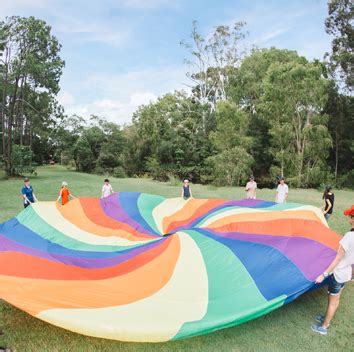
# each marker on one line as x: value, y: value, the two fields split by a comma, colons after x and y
x: 3, y: 112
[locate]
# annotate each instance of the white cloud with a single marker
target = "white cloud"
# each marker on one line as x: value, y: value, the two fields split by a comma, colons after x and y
x: 138, y: 99
x: 69, y: 18
x: 12, y: 7
x: 93, y: 30
x: 65, y: 98
x: 121, y: 94
x: 143, y: 4
x: 276, y: 32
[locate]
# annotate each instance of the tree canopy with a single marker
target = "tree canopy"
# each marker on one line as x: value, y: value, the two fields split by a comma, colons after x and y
x: 268, y: 112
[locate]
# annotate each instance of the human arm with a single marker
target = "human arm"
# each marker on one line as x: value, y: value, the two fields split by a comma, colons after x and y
x: 59, y: 195
x: 26, y: 199
x: 190, y: 192
x: 332, y: 266
x: 286, y: 193
x: 329, y: 206
x: 182, y: 192
x: 24, y: 195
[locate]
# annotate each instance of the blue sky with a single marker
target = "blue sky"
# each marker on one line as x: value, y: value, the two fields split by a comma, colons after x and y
x: 123, y: 53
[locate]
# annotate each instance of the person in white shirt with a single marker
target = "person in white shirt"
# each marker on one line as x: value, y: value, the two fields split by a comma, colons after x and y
x: 107, y: 189
x: 339, y: 272
x: 282, y: 191
x: 251, y: 187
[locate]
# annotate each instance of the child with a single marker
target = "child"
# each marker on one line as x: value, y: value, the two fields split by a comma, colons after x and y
x: 282, y: 191
x: 328, y: 197
x: 251, y: 188
x: 27, y: 193
x: 64, y: 194
x: 186, y: 190
x: 107, y: 189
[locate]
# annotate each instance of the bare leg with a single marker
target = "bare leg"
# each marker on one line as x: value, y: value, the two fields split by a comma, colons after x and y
x: 333, y: 303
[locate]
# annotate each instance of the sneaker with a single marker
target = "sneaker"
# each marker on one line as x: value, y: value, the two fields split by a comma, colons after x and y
x: 319, y: 318
x: 319, y: 329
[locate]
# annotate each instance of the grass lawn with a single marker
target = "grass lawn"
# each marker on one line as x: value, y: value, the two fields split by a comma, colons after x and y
x: 286, y: 329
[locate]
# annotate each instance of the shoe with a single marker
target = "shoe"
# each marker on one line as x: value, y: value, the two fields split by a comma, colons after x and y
x: 319, y: 318
x: 319, y: 329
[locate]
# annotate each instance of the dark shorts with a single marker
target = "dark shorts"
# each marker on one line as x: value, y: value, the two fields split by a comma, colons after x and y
x: 334, y: 287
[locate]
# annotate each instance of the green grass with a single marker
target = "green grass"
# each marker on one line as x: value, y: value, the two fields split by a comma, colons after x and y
x: 286, y: 329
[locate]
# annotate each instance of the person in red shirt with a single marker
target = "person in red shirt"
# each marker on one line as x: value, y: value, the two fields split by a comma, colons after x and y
x: 64, y: 194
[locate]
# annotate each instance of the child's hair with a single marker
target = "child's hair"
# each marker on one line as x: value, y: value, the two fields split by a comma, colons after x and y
x: 63, y: 184
x: 327, y: 190
x: 106, y: 180
x: 186, y: 181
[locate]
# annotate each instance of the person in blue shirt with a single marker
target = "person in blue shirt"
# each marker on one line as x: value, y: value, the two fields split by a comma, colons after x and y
x: 27, y: 193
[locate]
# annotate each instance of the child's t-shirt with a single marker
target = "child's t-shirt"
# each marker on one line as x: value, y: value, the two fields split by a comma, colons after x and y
x: 251, y: 189
x: 282, y: 191
x: 343, y: 271
x: 28, y: 192
x: 65, y: 195
x: 107, y: 190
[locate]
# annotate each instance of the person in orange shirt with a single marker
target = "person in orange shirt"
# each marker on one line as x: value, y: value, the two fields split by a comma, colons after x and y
x: 64, y: 194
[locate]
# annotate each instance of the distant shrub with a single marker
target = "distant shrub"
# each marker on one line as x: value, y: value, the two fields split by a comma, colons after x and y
x: 346, y: 181
x: 119, y: 172
x: 173, y: 180
x: 21, y: 161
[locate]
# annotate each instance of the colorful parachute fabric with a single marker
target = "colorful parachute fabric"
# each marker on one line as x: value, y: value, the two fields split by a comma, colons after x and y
x: 102, y: 267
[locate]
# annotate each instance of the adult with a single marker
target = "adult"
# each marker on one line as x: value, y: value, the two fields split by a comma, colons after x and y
x: 27, y: 193
x: 107, y: 189
x: 328, y: 197
x: 339, y: 272
x: 186, y: 190
x: 282, y: 191
x: 64, y: 194
x: 251, y: 187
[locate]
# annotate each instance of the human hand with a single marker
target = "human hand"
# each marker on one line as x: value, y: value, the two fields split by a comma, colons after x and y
x: 319, y: 279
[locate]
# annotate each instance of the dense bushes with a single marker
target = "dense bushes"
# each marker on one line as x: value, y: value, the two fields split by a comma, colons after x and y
x: 21, y: 161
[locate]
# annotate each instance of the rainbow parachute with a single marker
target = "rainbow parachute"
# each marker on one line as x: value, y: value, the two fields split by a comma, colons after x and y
x: 102, y: 267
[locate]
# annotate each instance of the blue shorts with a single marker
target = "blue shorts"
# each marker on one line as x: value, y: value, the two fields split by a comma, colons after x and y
x: 334, y: 287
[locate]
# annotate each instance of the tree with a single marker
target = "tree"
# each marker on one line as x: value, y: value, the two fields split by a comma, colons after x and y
x: 339, y: 24
x: 232, y: 161
x: 214, y: 58
x: 340, y: 109
x: 245, y: 89
x: 30, y: 73
x: 295, y: 94
x: 171, y: 131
